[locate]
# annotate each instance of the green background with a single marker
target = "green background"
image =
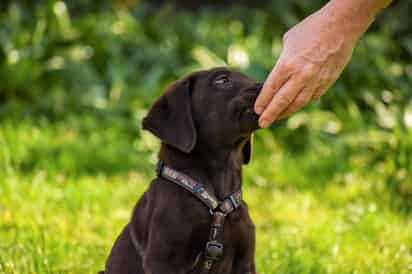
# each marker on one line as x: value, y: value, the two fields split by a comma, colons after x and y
x: 330, y: 188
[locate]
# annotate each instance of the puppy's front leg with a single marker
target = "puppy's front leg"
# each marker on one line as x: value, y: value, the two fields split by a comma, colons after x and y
x: 158, y: 267
x: 245, y: 269
x: 244, y: 262
x: 168, y: 249
x: 163, y: 260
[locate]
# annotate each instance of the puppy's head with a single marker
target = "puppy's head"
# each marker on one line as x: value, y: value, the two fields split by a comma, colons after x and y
x: 212, y: 108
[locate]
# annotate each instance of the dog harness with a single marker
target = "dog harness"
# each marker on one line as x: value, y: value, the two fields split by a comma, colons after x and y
x: 218, y: 209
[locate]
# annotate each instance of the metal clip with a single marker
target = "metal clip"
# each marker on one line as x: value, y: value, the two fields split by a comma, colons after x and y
x: 234, y: 202
x: 214, y: 250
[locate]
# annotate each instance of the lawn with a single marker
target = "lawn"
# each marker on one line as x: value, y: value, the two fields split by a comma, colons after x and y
x: 68, y: 187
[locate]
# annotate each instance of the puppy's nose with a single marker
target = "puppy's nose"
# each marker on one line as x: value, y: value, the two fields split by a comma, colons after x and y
x: 253, y: 88
x: 258, y: 87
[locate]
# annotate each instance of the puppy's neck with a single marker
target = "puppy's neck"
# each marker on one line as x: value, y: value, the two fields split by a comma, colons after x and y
x: 220, y: 170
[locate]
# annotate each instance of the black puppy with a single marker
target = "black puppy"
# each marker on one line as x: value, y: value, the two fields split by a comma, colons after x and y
x: 205, y: 122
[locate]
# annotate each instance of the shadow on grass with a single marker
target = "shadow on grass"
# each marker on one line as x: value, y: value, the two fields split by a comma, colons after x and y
x: 76, y: 146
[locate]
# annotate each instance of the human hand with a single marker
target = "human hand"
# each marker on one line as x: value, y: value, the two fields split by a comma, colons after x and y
x: 314, y: 54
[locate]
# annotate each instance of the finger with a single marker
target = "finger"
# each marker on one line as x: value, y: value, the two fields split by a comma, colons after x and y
x: 320, y: 91
x: 303, y: 98
x: 282, y: 99
x: 277, y: 77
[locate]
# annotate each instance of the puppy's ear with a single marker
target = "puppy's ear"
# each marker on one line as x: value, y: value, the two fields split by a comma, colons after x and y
x: 170, y: 117
x: 247, y: 150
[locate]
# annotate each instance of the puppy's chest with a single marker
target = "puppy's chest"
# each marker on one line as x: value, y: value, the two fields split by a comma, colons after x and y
x: 238, y: 228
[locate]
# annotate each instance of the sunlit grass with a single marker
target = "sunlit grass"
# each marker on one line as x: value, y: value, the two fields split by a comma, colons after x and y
x: 66, y: 191
x: 52, y: 225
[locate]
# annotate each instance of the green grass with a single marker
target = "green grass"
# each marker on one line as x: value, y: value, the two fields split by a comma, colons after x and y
x: 68, y: 187
x: 330, y: 189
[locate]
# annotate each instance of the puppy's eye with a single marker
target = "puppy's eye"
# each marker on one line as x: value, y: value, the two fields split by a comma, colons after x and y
x: 222, y: 80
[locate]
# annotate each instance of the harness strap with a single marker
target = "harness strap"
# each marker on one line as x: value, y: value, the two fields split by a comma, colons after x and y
x: 196, y: 188
x: 231, y: 203
x: 219, y: 210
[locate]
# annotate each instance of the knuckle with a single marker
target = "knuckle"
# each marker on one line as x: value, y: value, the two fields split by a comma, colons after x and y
x: 307, y: 72
x: 270, y: 113
x: 283, y: 100
x: 272, y: 87
x: 301, y: 101
x: 289, y: 65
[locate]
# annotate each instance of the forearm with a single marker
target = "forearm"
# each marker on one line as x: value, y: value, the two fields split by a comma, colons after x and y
x: 353, y: 17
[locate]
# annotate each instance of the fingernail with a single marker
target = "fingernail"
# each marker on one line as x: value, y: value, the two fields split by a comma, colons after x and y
x: 263, y: 123
x: 258, y: 109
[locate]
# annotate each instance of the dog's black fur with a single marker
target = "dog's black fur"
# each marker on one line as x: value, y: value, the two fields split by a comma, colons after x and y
x: 205, y: 122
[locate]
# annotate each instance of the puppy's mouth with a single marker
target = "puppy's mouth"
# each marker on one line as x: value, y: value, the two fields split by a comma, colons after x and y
x: 249, y: 99
x: 250, y: 112
x: 248, y: 117
x: 245, y: 107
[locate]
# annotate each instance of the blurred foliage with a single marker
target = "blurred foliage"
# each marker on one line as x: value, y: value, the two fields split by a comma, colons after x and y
x: 77, y: 77
x: 114, y: 58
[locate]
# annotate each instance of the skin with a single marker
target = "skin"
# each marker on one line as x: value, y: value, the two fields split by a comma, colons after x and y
x: 314, y: 54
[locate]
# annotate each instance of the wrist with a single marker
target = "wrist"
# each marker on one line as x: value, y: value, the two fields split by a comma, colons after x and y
x: 353, y: 17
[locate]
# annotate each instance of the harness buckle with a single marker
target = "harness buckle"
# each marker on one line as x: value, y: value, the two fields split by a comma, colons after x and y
x: 234, y: 201
x: 214, y: 250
